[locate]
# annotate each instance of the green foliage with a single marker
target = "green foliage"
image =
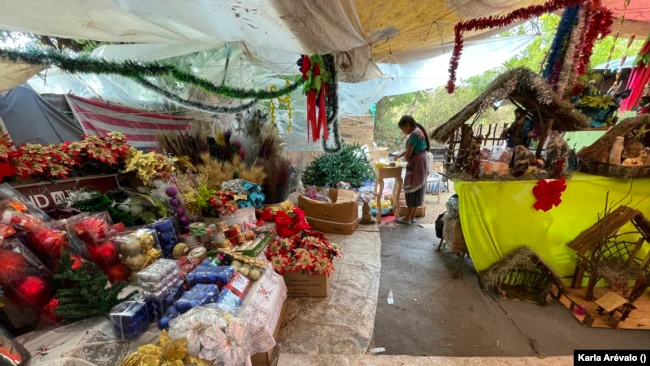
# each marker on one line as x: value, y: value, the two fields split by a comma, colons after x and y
x: 350, y: 165
x: 83, y: 294
x: 99, y: 202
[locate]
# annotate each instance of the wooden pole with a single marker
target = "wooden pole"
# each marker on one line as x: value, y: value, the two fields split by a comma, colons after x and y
x: 542, y: 139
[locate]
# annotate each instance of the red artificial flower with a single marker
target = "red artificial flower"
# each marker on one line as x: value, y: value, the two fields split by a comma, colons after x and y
x: 287, y: 231
x: 266, y: 215
x: 548, y: 193
x: 300, y: 214
x: 282, y: 218
x: 7, y: 170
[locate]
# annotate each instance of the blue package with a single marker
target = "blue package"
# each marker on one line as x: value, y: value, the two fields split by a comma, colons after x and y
x: 200, y: 294
x: 219, y: 275
x: 228, y: 301
x: 170, y: 314
x: 130, y: 319
x: 168, y: 235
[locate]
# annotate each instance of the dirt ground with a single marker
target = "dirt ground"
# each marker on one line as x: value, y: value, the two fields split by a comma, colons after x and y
x: 435, y: 315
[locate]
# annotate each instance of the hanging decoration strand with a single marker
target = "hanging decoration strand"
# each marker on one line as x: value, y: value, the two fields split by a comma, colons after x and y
x: 133, y: 70
x: 332, y: 108
x: 563, y: 33
x: 599, y: 27
x: 626, y: 3
x: 192, y: 104
x: 572, y: 48
x: 495, y: 22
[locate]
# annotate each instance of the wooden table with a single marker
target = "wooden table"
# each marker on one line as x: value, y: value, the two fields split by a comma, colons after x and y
x: 387, y: 173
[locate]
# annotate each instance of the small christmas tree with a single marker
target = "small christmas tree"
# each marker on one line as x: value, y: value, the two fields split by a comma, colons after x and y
x: 84, y: 294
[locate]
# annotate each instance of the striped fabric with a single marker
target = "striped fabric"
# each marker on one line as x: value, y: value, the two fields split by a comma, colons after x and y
x: 140, y: 127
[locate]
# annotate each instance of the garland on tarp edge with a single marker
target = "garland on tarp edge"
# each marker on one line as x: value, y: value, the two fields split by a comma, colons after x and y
x: 191, y: 104
x: 496, y: 22
x: 135, y: 70
x: 332, y: 108
x: 558, y: 47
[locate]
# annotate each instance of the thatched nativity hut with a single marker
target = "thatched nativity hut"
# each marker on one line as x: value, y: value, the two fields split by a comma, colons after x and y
x: 622, y: 152
x: 523, y: 88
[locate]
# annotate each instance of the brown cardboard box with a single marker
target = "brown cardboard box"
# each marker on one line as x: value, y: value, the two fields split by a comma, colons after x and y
x: 264, y: 358
x: 452, y: 232
x: 301, y: 284
x: 341, y: 216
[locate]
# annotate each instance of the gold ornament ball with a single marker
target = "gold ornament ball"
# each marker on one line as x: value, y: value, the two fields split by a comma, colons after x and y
x: 131, y: 247
x: 147, y: 240
x: 135, y: 262
x: 180, y: 250
x: 255, y: 274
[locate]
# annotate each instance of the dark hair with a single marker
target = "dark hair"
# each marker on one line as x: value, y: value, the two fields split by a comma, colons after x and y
x: 410, y: 121
x: 520, y: 111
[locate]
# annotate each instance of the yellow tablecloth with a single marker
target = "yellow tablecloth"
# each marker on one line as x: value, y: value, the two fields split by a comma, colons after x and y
x: 498, y: 217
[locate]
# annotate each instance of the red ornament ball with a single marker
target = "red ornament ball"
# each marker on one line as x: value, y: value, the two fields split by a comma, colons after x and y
x: 91, y: 229
x: 31, y: 291
x: 12, y: 266
x: 118, y: 273
x: 77, y: 261
x: 50, y: 241
x: 104, y: 254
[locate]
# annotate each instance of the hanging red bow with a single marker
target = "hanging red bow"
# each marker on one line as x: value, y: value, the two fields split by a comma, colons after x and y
x: 315, y: 88
x: 548, y: 193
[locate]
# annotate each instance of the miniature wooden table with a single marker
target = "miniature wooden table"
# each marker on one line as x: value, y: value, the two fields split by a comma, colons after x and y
x: 387, y: 173
x: 612, y: 302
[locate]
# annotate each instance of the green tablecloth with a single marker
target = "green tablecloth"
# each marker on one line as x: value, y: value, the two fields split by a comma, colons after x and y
x: 498, y: 217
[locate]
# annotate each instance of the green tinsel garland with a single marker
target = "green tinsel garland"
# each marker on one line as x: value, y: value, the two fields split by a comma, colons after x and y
x: 136, y: 70
x: 191, y: 104
x: 99, y: 202
x: 83, y: 294
x: 332, y: 108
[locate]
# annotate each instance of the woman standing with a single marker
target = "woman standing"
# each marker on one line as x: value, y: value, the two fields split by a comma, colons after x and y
x: 417, y: 169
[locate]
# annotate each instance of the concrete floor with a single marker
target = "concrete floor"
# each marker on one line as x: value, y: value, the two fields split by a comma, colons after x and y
x: 434, y: 315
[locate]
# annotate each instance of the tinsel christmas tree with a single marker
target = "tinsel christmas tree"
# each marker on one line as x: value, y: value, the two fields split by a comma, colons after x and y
x: 84, y: 294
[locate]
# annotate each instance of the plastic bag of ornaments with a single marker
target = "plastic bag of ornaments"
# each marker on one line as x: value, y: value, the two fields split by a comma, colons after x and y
x: 24, y: 278
x: 11, y: 351
x: 138, y: 248
x: 158, y: 305
x: 9, y: 192
x: 233, y: 293
x: 159, y: 279
x: 49, y: 244
x: 254, y: 273
x: 208, y: 273
x: 97, y: 231
x: 16, y: 213
x: 130, y: 319
x: 168, y: 235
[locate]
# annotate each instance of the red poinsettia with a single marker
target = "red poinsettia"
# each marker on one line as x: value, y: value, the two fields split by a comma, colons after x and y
x: 309, y: 251
x: 288, y: 223
x: 548, y: 193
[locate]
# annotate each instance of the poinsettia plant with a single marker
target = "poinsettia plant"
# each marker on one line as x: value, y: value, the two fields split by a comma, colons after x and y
x: 309, y: 251
x: 288, y: 222
x: 58, y: 160
x: 223, y: 202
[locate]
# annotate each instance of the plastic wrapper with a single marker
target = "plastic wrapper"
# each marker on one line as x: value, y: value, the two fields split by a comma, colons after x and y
x: 168, y: 235
x: 6, y: 230
x: 159, y: 279
x: 16, y: 213
x: 232, y: 295
x: 210, y: 274
x: 48, y: 244
x: 130, y: 319
x: 12, y: 352
x: 197, y: 296
x: 157, y: 306
x: 165, y: 320
x: 24, y: 278
x: 186, y: 265
x: 318, y: 195
x: 214, y: 336
x: 92, y: 228
x: 9, y: 192
x: 138, y: 249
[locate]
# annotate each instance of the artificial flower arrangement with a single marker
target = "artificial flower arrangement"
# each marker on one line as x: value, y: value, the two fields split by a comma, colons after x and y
x: 232, y: 195
x: 149, y: 166
x: 289, y: 221
x: 308, y: 251
x: 59, y: 160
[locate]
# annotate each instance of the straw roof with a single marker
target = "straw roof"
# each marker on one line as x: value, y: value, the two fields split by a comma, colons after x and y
x: 603, y: 145
x: 587, y: 240
x: 530, y: 91
x: 522, y: 258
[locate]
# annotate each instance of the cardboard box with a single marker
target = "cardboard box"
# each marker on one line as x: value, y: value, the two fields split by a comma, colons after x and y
x: 264, y: 358
x: 341, y: 216
x: 452, y: 232
x: 301, y: 284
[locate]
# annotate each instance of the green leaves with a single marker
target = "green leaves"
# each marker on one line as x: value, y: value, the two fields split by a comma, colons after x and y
x: 350, y: 165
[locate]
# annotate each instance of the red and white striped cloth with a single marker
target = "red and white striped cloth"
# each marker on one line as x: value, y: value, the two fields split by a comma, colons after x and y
x: 99, y: 118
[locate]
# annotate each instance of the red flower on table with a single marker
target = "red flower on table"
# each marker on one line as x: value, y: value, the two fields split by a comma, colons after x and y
x: 548, y: 193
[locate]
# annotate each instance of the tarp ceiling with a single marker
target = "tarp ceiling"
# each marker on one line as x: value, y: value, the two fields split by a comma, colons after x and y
x: 299, y: 26
x: 637, y: 17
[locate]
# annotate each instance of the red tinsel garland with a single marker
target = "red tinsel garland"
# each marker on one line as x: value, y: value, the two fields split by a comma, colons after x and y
x: 599, y: 28
x: 496, y: 22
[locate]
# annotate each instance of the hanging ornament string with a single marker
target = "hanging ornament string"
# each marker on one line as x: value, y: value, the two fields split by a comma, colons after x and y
x: 316, y: 81
x: 599, y: 27
x: 332, y: 108
x: 192, y: 104
x: 496, y: 22
x: 85, y: 64
x: 626, y: 3
x: 620, y: 67
x: 586, y: 19
x: 577, y: 35
x: 558, y: 47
